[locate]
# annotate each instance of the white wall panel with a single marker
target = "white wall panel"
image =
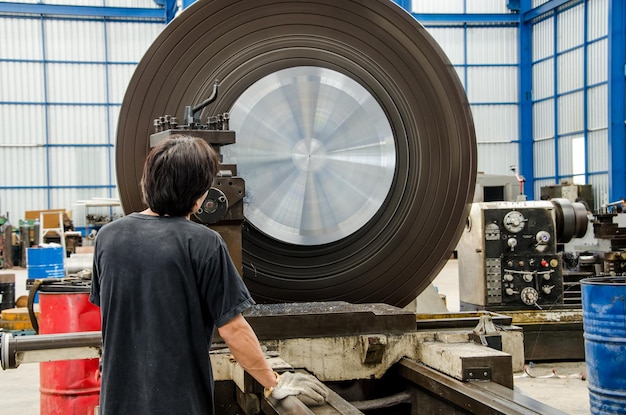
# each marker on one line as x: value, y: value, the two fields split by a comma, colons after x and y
x: 487, y: 6
x: 544, y: 158
x: 597, y: 18
x: 571, y: 113
x: 597, y: 62
x: 598, y: 151
x: 127, y: 42
x: 497, y: 158
x: 22, y: 38
x: 27, y: 166
x: 439, y: 6
x: 26, y: 124
x: 114, y: 114
x: 543, y: 39
x: 543, y: 119
x: 77, y: 124
x: 149, y: 4
x: 452, y: 41
x: 21, y: 82
x: 537, y: 3
x: 566, y: 167
x: 543, y: 79
x: 600, y: 187
x: 492, y: 45
x: 496, y: 123
x: 76, y: 83
x: 597, y: 107
x: 570, y: 69
x: 502, y: 82
x: 96, y: 3
x: 78, y: 166
x: 570, y: 25
x: 74, y: 40
x: 119, y: 77
x: 17, y: 201
x: 46, y: 143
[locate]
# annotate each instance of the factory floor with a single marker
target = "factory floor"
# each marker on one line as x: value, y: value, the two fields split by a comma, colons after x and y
x: 557, y: 384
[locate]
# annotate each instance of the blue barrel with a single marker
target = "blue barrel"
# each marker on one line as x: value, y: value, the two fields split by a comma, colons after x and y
x: 604, y: 323
x: 45, y: 263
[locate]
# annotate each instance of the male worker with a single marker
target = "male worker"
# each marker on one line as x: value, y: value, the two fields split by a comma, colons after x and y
x: 163, y: 283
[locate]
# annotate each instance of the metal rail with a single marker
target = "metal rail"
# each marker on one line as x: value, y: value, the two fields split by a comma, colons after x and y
x: 48, y: 347
x: 480, y: 398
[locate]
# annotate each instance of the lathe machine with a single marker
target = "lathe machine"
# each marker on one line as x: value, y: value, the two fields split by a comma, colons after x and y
x: 508, y: 253
x: 356, y: 144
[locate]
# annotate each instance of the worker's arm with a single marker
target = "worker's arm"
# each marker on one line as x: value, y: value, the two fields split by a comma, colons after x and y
x: 245, y: 347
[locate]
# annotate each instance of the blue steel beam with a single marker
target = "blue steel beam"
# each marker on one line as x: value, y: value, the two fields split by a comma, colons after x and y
x: 529, y: 14
x: 617, y: 96
x: 458, y: 17
x: 54, y: 9
x: 171, y: 7
x: 526, y: 142
x: 405, y: 4
x: 469, y: 18
x: 586, y: 89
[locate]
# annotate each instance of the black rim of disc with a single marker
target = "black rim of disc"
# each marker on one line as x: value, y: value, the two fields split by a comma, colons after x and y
x: 376, y: 43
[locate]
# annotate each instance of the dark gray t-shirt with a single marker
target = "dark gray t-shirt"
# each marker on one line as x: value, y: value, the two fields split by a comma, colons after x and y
x: 163, y: 284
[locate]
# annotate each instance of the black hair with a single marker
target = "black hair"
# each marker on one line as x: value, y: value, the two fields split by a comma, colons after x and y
x: 177, y: 172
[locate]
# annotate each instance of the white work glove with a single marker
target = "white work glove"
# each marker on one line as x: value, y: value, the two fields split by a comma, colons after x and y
x: 305, y: 387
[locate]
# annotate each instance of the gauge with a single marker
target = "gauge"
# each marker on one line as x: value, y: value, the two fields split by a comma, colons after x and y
x: 542, y: 237
x: 514, y: 221
x: 529, y: 296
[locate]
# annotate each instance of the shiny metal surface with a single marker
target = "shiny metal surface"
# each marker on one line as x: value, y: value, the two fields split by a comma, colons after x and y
x: 317, y: 154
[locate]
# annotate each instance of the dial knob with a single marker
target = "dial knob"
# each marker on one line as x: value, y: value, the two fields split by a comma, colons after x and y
x: 512, y: 243
x: 514, y: 221
x: 542, y: 237
x: 529, y: 296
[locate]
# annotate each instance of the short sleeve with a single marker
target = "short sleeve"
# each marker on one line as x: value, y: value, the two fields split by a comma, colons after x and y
x: 94, y: 294
x: 222, y: 289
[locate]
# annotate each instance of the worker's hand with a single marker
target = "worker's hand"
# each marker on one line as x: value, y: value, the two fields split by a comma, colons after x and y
x: 304, y: 386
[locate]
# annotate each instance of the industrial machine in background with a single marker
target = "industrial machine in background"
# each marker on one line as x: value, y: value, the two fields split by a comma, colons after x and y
x: 508, y: 256
x: 493, y: 187
x: 223, y: 207
x: 570, y: 191
x: 511, y: 260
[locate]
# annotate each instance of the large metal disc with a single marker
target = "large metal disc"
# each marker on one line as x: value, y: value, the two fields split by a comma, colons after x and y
x: 316, y: 152
x: 387, y: 244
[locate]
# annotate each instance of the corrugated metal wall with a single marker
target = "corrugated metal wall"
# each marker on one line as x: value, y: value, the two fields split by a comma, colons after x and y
x: 570, y: 126
x: 63, y: 80
x: 486, y: 58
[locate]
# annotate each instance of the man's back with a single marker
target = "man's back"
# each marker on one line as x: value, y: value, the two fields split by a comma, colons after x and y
x: 155, y: 279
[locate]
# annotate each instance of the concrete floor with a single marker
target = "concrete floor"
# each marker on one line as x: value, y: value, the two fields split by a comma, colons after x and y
x: 19, y: 388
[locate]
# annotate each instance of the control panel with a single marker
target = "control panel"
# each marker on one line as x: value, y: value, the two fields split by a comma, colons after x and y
x: 508, y: 257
